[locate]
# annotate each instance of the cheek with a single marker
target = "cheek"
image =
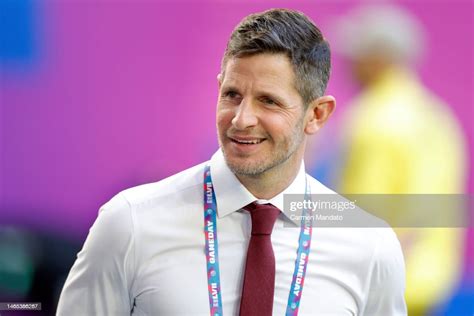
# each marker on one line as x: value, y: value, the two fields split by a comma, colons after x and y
x: 222, y: 125
x: 277, y: 125
x: 224, y: 118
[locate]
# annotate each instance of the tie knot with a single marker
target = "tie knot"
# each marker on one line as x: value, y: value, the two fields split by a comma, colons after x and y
x: 263, y: 217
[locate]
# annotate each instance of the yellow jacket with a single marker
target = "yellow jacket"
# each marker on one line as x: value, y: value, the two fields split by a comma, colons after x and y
x: 400, y: 139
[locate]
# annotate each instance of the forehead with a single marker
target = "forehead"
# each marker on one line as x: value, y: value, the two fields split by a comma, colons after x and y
x: 263, y: 71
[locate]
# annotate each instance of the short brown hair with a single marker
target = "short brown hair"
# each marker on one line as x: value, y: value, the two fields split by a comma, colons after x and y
x: 289, y: 32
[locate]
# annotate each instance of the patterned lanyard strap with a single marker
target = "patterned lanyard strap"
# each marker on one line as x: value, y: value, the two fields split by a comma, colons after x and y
x: 212, y: 254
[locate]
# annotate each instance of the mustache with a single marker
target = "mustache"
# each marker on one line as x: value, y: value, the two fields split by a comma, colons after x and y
x: 232, y: 132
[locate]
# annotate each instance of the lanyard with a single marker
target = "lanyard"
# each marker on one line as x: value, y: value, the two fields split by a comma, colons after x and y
x: 212, y: 254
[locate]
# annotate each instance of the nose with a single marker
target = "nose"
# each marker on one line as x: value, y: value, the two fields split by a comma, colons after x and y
x: 245, y: 116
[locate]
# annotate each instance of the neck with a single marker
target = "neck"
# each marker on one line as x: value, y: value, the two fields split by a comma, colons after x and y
x: 273, y: 181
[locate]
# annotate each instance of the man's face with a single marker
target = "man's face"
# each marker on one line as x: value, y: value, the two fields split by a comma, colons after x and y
x: 260, y: 114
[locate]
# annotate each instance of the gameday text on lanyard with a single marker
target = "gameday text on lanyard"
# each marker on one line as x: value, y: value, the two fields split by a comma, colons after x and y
x: 212, y: 254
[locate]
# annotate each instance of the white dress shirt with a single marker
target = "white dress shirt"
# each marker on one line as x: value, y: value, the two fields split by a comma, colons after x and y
x: 145, y: 255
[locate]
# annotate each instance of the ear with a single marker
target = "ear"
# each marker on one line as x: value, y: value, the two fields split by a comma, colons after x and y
x: 318, y: 113
x: 220, y: 77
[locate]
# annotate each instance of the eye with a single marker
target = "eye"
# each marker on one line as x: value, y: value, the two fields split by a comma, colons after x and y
x: 230, y: 94
x: 268, y: 101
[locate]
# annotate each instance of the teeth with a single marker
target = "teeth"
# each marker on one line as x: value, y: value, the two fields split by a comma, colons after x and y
x: 248, y: 141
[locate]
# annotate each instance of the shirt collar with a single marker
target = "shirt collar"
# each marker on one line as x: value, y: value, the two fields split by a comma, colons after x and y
x: 231, y: 195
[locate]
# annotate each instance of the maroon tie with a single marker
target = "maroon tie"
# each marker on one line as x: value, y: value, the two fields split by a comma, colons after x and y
x: 259, y: 279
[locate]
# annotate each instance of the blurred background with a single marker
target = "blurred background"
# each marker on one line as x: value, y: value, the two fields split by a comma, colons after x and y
x: 100, y: 95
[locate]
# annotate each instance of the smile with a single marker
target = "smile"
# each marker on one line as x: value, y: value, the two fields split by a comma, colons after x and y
x: 247, y: 141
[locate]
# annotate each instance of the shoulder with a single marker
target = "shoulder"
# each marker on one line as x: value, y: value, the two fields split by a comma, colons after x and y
x: 174, y: 185
x: 118, y: 215
x: 116, y: 224
x: 366, y: 233
x: 388, y: 259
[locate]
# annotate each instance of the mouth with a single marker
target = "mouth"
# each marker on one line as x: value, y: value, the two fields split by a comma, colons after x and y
x: 247, y: 141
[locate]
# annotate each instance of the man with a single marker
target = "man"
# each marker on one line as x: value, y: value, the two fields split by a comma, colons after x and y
x: 176, y: 248
x: 397, y: 134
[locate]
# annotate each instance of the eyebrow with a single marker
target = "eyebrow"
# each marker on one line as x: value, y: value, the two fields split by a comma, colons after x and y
x: 228, y: 87
x: 260, y: 93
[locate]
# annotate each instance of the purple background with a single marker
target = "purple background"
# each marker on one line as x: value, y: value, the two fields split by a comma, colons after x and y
x: 111, y: 94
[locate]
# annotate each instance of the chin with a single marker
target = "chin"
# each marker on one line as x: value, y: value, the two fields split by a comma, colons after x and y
x: 245, y: 168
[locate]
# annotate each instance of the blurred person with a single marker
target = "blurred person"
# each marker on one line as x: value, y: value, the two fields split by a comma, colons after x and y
x: 154, y: 250
x: 18, y: 261
x: 33, y: 267
x: 399, y: 138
